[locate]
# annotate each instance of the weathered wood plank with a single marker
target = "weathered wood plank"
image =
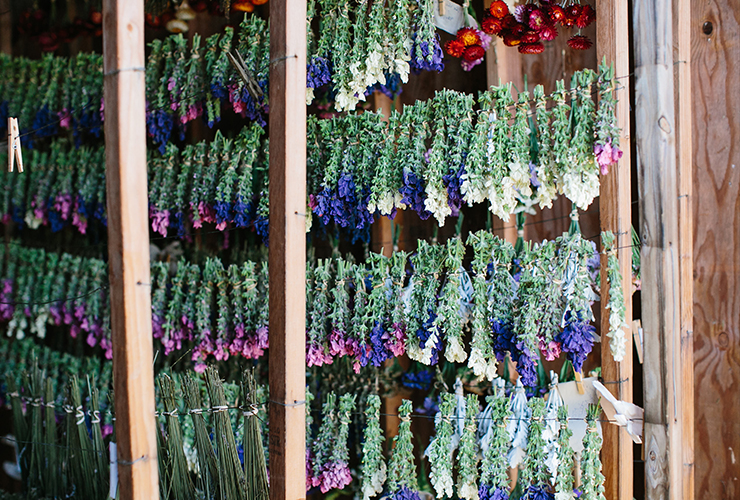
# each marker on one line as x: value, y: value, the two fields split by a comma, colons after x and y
x: 655, y: 131
x: 615, y: 211
x: 682, y: 79
x: 287, y: 256
x: 128, y: 248
x: 715, y: 92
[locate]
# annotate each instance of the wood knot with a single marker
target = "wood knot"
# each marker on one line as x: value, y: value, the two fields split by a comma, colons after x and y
x: 664, y: 125
x: 723, y: 340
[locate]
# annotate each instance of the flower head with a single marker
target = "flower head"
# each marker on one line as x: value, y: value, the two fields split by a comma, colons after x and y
x: 586, y: 17
x: 531, y: 48
x: 530, y: 37
x: 474, y: 53
x: 548, y: 33
x: 579, y: 42
x: 492, y: 25
x: 455, y: 48
x: 512, y: 40
x: 468, y: 36
x: 499, y: 9
x: 537, y: 20
x: 557, y: 13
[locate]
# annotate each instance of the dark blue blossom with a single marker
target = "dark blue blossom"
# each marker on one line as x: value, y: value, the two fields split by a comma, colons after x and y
x: 505, y: 341
x: 159, y: 126
x: 223, y: 211
x: 219, y: 91
x: 424, y: 58
x: 380, y: 352
x: 577, y: 339
x: 45, y: 123
x: 538, y: 493
x: 344, y: 207
x: 491, y: 493
x: 425, y: 332
x: 241, y: 212
x: 453, y: 181
x: 318, y: 72
x: 413, y: 194
x: 17, y: 216
x: 262, y: 226
x: 392, y: 87
x: 406, y: 494
x: 419, y: 380
x: 180, y: 224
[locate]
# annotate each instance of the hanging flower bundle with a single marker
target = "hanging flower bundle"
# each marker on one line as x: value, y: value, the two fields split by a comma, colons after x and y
x: 533, y: 23
x: 616, y: 306
x: 364, y: 46
x: 368, y: 313
x: 183, y: 81
x: 402, y: 474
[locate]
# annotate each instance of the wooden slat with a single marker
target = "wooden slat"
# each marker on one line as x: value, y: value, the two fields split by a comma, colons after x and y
x: 682, y: 103
x: 128, y: 248
x: 655, y: 132
x: 287, y: 255
x: 615, y: 213
x: 715, y: 96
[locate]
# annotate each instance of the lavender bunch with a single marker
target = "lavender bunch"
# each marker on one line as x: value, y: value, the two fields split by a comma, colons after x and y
x: 482, y: 356
x: 535, y: 476
x: 467, y: 459
x: 494, y: 480
x: 449, y: 320
x: 592, y: 480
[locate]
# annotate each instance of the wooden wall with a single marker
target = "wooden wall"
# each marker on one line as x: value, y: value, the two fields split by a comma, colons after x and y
x: 715, y: 72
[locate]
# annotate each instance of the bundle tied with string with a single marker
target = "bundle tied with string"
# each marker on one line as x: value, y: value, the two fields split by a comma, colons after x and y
x: 255, y: 466
x: 230, y: 474
x: 181, y: 485
x: 207, y: 482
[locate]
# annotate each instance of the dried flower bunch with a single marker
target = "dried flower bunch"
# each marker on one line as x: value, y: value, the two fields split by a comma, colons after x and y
x: 537, y: 21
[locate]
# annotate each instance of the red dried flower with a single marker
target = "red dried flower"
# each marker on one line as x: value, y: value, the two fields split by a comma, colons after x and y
x: 579, y: 42
x: 512, y: 40
x: 574, y: 11
x: 468, y: 36
x: 537, y: 19
x: 499, y: 9
x: 492, y: 25
x: 455, y: 48
x: 530, y: 37
x: 531, y: 48
x: 586, y: 17
x: 473, y: 53
x: 557, y: 13
x: 510, y: 21
x: 549, y: 33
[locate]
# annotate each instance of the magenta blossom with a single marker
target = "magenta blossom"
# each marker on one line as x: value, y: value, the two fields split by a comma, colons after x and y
x: 606, y: 154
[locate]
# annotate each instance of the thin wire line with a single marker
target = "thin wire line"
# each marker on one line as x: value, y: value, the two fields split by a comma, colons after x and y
x: 102, y: 287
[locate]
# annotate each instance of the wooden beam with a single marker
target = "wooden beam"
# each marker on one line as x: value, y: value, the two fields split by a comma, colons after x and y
x: 615, y: 209
x: 287, y: 256
x: 128, y: 248
x: 684, y: 163
x: 655, y: 128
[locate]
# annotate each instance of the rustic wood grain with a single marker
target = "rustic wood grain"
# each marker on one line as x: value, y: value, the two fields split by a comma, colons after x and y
x: 715, y: 74
x: 128, y: 248
x: 615, y: 212
x: 655, y: 132
x: 287, y: 256
x: 682, y: 78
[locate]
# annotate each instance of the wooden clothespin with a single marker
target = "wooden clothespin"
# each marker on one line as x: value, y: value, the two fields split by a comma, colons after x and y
x: 441, y: 7
x: 579, y: 383
x: 14, y: 145
x: 241, y: 67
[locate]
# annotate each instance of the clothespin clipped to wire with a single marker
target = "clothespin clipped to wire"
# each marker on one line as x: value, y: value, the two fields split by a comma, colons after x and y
x: 14, y: 145
x: 579, y: 383
x: 441, y: 7
x: 241, y: 67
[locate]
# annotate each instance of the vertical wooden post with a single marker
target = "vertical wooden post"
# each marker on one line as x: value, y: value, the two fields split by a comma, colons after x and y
x: 684, y: 151
x: 287, y: 259
x: 660, y: 262
x: 128, y: 248
x: 615, y: 209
